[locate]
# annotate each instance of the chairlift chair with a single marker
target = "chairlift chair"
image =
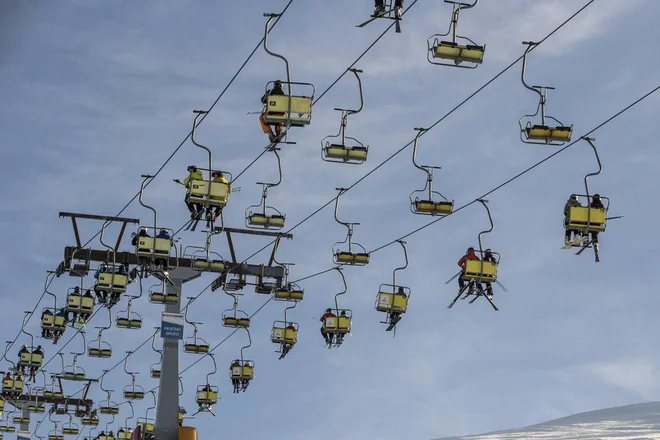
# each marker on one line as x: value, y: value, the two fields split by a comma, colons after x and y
x: 460, y: 51
x: 426, y: 201
x: 111, y: 279
x: 77, y: 303
x: 195, y: 344
x: 541, y: 133
x: 128, y: 319
x: 340, y: 150
x: 289, y: 292
x: 282, y: 334
x: 289, y: 109
x: 348, y: 256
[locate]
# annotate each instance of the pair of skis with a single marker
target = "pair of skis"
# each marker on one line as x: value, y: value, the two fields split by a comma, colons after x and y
x: 583, y: 244
x: 385, y: 14
x: 479, y: 293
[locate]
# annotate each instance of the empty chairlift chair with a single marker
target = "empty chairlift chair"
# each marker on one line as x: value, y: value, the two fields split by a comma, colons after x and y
x: 535, y: 132
x: 340, y: 147
x: 460, y: 51
x: 355, y: 254
x: 425, y: 201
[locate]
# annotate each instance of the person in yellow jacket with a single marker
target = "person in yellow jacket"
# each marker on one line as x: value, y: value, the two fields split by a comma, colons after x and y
x: 217, y: 177
x: 193, y: 174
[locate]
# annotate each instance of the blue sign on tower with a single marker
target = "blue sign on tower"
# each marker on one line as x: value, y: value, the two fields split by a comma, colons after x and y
x: 171, y: 326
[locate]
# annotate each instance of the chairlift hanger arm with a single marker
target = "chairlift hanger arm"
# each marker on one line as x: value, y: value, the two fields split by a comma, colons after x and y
x: 530, y: 46
x: 490, y: 219
x: 600, y: 166
x: 198, y: 114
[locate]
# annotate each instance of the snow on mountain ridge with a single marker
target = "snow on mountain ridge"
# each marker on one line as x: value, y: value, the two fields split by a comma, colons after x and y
x: 631, y: 422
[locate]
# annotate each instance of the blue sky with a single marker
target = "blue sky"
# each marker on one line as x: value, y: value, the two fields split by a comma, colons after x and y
x: 96, y: 94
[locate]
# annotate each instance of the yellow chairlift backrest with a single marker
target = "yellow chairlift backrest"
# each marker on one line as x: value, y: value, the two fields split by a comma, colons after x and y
x: 282, y: 334
x: 106, y: 437
x: 89, y: 421
x: 547, y: 133
x: 70, y: 430
x: 475, y: 270
x: 74, y: 301
x: 438, y: 207
x: 19, y: 419
x: 207, y: 396
x: 2, y: 404
x: 160, y: 246
x: 278, y: 105
x: 123, y: 434
x: 392, y: 302
x: 244, y: 371
x: 583, y: 218
x: 55, y: 437
x: 352, y: 258
x: 199, y: 190
x: 358, y: 153
x: 31, y: 358
x: 116, y: 280
x: 338, y: 324
x: 148, y: 427
x: 203, y: 263
x: 12, y: 384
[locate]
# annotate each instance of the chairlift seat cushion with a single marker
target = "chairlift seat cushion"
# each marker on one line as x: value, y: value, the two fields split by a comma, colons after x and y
x: 587, y: 219
x: 109, y: 410
x: 209, y: 264
x: 53, y: 395
x: 12, y: 385
x: 18, y: 420
x: 432, y: 207
x: 198, y: 192
x: 129, y: 323
x: 351, y: 258
x: 155, y: 374
x: 160, y: 298
x: 74, y: 375
x: 259, y: 219
x: 457, y: 52
x: 282, y: 335
x: 196, y: 348
x: 73, y: 302
x: 277, y: 108
x: 134, y: 394
x: 546, y: 133
x: 474, y: 271
x: 230, y: 321
x: 55, y: 437
x: 89, y: 421
x: 100, y: 352
x: 160, y: 246
x: 289, y: 294
x: 390, y: 302
x: 70, y: 431
x: 347, y: 154
x: 36, y: 409
x: 112, y: 282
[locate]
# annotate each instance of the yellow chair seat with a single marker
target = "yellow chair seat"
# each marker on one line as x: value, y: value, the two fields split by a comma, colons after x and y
x: 161, y: 248
x: 149, y: 428
x: 473, y: 271
x: 457, y: 52
x: 245, y: 372
x: 277, y: 108
x: 281, y: 335
x: 87, y: 421
x: 2, y: 404
x: 289, y: 294
x: 160, y: 298
x: 230, y: 321
x: 546, y: 133
x: 133, y: 394
x: 390, y: 302
x: 196, y: 348
x: 198, y: 192
x: 109, y: 410
x: 55, y: 437
x: 356, y: 154
x: 112, y: 282
x: 70, y: 431
x: 37, y: 409
x: 12, y: 385
x: 73, y: 302
x: 209, y: 264
x: 579, y: 215
x: 155, y: 374
x: 431, y: 207
x: 6, y: 428
x: 337, y: 324
x: 100, y: 352
x: 70, y: 375
x: 52, y: 322
x: 351, y: 258
x: 106, y: 437
x: 207, y: 397
x: 124, y: 435
x: 53, y: 395
x: 19, y: 420
x: 258, y: 219
x: 129, y: 323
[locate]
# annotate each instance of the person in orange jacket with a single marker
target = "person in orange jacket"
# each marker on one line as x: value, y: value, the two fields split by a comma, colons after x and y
x: 327, y: 336
x: 469, y: 255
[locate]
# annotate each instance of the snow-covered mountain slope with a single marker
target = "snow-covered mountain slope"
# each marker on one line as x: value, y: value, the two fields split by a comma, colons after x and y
x: 631, y: 422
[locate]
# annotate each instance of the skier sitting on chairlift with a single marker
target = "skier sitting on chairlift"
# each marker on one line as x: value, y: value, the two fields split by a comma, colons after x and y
x: 193, y: 174
x: 571, y: 234
x: 272, y: 136
x: 327, y: 336
x: 469, y: 255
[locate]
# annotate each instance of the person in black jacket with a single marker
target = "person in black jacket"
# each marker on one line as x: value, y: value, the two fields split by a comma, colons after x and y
x: 268, y: 129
